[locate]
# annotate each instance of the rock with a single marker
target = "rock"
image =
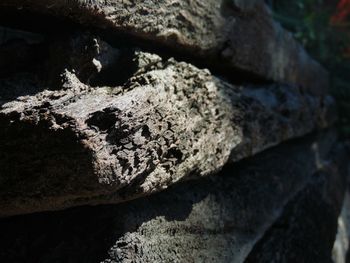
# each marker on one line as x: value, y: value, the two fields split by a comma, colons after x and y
x: 214, y: 219
x: 78, y: 144
x: 224, y: 35
x: 110, y: 102
x: 340, y: 253
x: 306, y: 230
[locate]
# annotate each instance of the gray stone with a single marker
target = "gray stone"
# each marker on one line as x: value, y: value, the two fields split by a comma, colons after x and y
x: 170, y: 121
x: 214, y: 219
x: 227, y: 34
x: 85, y: 121
x: 307, y: 229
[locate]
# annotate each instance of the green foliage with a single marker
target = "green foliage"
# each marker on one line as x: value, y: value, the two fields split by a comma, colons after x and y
x: 310, y: 22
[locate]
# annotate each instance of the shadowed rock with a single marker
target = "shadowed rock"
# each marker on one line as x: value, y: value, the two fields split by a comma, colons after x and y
x: 307, y: 228
x: 228, y: 35
x: 215, y: 219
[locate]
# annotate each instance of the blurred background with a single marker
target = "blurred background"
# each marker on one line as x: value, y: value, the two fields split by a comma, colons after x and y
x: 323, y: 27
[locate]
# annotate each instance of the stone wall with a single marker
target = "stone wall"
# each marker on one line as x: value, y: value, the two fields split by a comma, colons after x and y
x: 164, y: 131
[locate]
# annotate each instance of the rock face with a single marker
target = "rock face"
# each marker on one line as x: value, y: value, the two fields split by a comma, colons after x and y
x: 222, y: 218
x: 196, y: 131
x: 227, y: 34
x: 170, y: 121
x: 305, y: 231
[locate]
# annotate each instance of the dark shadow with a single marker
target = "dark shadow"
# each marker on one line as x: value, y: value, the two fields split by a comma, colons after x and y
x: 119, y: 72
x: 21, y: 57
x: 38, y: 163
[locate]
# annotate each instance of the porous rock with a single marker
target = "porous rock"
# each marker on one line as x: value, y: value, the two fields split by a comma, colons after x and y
x: 86, y: 122
x: 170, y: 121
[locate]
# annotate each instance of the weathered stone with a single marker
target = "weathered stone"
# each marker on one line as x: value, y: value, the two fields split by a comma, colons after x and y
x: 214, y: 219
x: 85, y: 123
x: 169, y: 122
x: 226, y: 35
x: 307, y: 228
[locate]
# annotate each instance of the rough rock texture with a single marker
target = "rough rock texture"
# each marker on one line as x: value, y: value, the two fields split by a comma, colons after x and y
x: 306, y: 230
x: 227, y: 35
x: 95, y: 110
x: 215, y: 219
x: 170, y: 121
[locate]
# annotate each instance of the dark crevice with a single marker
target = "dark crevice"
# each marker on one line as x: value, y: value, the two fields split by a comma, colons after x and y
x: 119, y: 72
x: 18, y: 56
x: 52, y: 26
x: 146, y: 132
x: 223, y: 70
x: 36, y: 22
x: 174, y: 153
x: 104, y: 120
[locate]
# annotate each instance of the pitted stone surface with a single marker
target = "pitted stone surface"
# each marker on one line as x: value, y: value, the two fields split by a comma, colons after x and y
x: 170, y: 121
x: 86, y: 121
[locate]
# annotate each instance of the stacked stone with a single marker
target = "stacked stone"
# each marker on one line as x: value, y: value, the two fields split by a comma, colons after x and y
x: 194, y: 131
